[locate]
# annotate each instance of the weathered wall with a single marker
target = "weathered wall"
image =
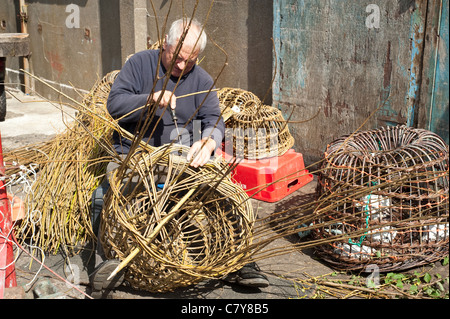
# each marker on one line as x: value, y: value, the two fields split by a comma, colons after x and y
x: 330, y: 62
x: 342, y: 68
x: 75, y: 42
x: 242, y: 29
x: 69, y: 43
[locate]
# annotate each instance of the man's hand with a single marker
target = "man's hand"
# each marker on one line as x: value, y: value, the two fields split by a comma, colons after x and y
x: 168, y: 98
x: 201, y: 151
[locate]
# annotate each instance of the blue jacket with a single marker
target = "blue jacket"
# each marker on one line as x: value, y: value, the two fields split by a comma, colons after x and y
x: 132, y: 88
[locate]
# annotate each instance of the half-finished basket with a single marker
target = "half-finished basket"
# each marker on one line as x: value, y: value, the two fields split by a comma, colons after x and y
x: 188, y: 224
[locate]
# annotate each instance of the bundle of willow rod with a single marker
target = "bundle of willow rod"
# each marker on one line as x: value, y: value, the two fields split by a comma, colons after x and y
x: 70, y: 167
x: 185, y: 224
x: 392, y: 188
x: 94, y: 101
x: 26, y: 155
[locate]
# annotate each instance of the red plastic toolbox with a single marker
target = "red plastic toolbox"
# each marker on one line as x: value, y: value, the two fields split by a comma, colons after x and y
x: 270, y: 179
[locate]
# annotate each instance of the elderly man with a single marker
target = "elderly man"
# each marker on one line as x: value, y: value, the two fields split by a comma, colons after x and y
x: 142, y: 80
x: 143, y: 74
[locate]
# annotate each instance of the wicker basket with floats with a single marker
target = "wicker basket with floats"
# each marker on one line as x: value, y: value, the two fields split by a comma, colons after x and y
x: 388, y: 189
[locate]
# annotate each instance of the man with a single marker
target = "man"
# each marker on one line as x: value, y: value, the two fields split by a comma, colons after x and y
x: 145, y: 72
x: 137, y: 79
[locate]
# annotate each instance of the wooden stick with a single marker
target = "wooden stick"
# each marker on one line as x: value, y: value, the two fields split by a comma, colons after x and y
x: 155, y: 232
x: 178, y: 97
x: 195, y: 93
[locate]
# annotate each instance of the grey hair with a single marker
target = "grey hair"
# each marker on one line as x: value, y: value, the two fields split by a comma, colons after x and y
x: 177, y: 28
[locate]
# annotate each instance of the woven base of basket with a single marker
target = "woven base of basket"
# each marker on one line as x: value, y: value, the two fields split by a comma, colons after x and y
x: 389, y: 193
x: 206, y: 237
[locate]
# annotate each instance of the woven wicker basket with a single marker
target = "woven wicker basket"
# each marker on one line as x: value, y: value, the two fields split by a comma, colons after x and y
x: 206, y: 237
x: 233, y: 100
x: 258, y: 133
x: 387, y: 190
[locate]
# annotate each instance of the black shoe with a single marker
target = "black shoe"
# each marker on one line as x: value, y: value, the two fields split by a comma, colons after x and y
x: 100, y: 284
x: 250, y: 276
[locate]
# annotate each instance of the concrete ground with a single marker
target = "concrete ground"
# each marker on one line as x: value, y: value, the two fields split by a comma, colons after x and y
x: 29, y: 120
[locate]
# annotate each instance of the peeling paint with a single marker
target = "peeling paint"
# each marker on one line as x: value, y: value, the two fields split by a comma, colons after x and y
x: 55, y: 62
x: 327, y: 57
x: 417, y: 36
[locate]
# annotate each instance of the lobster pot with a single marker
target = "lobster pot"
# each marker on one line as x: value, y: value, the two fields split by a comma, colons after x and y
x: 384, y: 198
x: 233, y: 100
x: 258, y: 134
x: 188, y: 224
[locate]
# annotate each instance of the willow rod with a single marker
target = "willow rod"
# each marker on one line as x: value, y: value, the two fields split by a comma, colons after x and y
x: 178, y: 97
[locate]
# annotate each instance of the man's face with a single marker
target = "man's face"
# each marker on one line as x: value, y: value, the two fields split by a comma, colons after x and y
x: 185, y: 60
